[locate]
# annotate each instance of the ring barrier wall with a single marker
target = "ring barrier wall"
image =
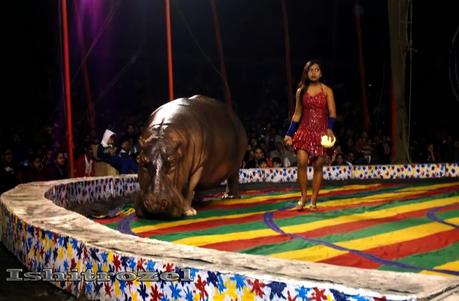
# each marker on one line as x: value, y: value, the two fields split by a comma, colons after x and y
x: 44, y: 236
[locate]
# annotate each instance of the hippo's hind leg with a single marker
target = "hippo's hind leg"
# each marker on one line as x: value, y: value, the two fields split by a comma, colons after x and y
x: 198, y: 199
x: 232, y: 187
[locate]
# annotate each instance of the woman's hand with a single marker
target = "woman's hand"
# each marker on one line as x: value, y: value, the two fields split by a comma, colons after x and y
x: 330, y: 134
x: 288, y: 140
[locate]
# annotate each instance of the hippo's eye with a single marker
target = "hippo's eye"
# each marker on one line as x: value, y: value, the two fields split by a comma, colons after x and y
x: 142, y: 159
x: 171, y: 160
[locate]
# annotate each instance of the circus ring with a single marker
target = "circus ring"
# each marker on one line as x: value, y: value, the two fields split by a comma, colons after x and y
x: 38, y: 229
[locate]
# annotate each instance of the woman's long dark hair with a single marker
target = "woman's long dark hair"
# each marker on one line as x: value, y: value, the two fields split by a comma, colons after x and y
x: 304, y: 82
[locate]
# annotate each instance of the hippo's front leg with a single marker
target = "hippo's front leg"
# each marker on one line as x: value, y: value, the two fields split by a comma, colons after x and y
x: 194, y: 180
x: 139, y: 206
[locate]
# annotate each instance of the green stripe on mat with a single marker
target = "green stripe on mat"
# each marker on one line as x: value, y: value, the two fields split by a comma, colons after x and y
x: 203, y: 213
x: 428, y: 260
x: 298, y: 220
x: 342, y: 237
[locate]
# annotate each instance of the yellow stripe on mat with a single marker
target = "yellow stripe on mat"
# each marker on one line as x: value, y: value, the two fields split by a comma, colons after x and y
x: 349, y: 201
x: 142, y: 229
x: 451, y: 266
x: 257, y: 199
x: 383, y: 213
x: 251, y: 200
x: 321, y: 252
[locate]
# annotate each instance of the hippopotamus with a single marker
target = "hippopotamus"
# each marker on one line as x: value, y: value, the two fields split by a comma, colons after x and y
x: 188, y: 144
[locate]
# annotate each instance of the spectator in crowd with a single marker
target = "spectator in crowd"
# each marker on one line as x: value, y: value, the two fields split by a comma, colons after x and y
x: 350, y: 158
x: 121, y: 160
x: 386, y: 144
x: 84, y: 164
x: 432, y: 156
x: 446, y: 148
x: 47, y: 158
x: 133, y: 137
x: 34, y: 154
x: 287, y: 157
x: 262, y: 163
x: 34, y: 171
x: 338, y: 159
x: 258, y: 155
x: 106, y: 155
x: 124, y: 162
x: 106, y: 147
x: 57, y: 169
x: 277, y: 162
x: 8, y: 171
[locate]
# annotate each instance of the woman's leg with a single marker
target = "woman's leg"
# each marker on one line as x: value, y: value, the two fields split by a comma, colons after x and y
x: 318, y: 165
x: 302, y: 162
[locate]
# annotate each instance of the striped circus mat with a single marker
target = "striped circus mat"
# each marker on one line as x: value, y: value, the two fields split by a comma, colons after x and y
x: 405, y: 227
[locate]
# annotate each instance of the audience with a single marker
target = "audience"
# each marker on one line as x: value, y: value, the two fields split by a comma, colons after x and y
x: 40, y: 158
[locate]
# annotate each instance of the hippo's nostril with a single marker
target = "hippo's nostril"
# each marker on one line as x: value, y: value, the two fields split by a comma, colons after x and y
x: 163, y: 203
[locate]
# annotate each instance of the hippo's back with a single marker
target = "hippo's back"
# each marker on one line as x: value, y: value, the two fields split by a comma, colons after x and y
x: 214, y: 135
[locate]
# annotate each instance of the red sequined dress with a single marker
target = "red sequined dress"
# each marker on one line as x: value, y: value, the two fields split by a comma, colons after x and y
x: 313, y: 124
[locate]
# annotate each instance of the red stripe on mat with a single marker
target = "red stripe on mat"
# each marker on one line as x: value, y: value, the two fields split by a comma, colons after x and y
x: 399, y: 250
x: 276, y: 200
x: 254, y: 192
x: 237, y: 245
x: 200, y: 225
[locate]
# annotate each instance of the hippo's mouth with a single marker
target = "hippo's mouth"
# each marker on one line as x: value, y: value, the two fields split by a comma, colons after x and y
x: 172, y: 204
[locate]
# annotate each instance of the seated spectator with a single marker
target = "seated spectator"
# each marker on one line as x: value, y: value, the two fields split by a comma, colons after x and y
x: 331, y: 160
x: 262, y: 163
x: 8, y: 171
x: 57, y: 169
x: 350, y: 158
x: 133, y: 138
x: 105, y: 151
x: 33, y: 171
x: 124, y: 162
x: 258, y: 155
x: 432, y: 155
x: 287, y: 157
x: 106, y: 148
x: 247, y: 156
x: 47, y: 157
x: 338, y: 159
x: 84, y: 165
x: 277, y: 162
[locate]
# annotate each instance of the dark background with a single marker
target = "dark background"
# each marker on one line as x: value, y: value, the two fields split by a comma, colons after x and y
x: 127, y: 67
x: 128, y: 64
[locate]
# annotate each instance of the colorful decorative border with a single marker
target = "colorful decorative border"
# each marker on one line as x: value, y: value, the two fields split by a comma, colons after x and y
x: 43, y: 242
x: 354, y: 172
x: 41, y: 249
